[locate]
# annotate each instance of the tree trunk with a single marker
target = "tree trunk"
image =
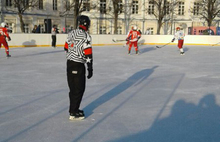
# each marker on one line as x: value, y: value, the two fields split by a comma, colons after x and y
x: 116, y: 24
x: 76, y: 13
x: 159, y: 25
x: 21, y: 22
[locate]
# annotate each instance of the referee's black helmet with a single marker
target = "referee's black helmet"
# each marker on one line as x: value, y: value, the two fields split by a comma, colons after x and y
x: 83, y: 20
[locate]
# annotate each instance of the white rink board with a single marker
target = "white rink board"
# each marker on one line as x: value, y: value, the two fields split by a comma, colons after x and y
x: 44, y: 40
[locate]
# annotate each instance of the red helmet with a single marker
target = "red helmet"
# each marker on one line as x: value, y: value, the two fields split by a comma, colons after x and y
x: 177, y: 28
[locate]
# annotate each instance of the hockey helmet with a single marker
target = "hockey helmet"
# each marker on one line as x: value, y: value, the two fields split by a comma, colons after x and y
x: 135, y: 28
x: 3, y: 24
x: 83, y: 20
x: 177, y: 28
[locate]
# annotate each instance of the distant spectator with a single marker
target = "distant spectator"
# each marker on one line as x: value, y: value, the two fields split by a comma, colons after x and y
x: 38, y: 29
x: 34, y: 29
x: 53, y: 35
x: 147, y: 32
x: 64, y: 30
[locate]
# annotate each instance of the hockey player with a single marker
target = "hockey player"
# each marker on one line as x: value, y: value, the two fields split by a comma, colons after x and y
x: 128, y: 41
x: 3, y: 35
x: 179, y: 35
x: 78, y: 52
x: 133, y: 37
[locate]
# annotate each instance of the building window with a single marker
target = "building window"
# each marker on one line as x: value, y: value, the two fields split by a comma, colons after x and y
x: 167, y: 8
x: 135, y: 7
x: 196, y: 8
x: 54, y: 4
x: 120, y: 4
x: 151, y: 8
x: 67, y: 5
x: 149, y: 31
x: 102, y: 30
x: 26, y: 2
x: 41, y: 4
x: 119, y: 30
x: 41, y: 28
x: 26, y: 28
x: 10, y: 27
x: 181, y: 8
x: 103, y: 6
x: 86, y: 5
x: 201, y: 32
x: 8, y: 3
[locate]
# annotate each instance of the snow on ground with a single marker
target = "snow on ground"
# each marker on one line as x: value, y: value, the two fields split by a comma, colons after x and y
x: 157, y: 96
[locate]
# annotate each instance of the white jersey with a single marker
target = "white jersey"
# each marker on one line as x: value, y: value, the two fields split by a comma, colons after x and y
x: 179, y: 35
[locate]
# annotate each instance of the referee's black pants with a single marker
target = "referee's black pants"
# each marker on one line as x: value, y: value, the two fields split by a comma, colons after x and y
x: 54, y: 40
x: 76, y: 82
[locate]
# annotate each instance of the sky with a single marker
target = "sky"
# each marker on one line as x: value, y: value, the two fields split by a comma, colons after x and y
x: 156, y: 96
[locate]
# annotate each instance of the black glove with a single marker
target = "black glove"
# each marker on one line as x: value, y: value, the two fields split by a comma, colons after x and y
x: 173, y: 40
x: 90, y: 73
x: 9, y: 38
x: 65, y: 49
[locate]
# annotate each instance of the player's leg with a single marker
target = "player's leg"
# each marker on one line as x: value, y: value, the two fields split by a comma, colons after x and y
x: 136, y: 47
x: 5, y: 44
x: 129, y: 49
x: 53, y: 40
x: 180, y: 46
x: 76, y: 83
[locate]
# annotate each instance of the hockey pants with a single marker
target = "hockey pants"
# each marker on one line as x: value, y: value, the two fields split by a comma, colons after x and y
x: 76, y: 82
x: 135, y: 46
x: 180, y: 44
x: 5, y: 44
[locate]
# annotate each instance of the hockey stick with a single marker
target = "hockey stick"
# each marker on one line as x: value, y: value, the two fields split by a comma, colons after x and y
x: 117, y: 40
x: 163, y: 45
x: 215, y: 44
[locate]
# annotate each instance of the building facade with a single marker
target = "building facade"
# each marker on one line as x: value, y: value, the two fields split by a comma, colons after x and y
x: 133, y: 12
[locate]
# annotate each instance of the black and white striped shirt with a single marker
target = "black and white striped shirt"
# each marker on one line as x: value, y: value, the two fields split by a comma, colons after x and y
x: 78, y: 40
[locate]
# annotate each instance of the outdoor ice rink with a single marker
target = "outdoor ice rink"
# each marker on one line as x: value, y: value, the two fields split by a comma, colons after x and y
x: 156, y: 96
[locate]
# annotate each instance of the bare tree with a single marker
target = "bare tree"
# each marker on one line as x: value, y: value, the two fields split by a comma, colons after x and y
x: 207, y: 10
x: 161, y: 9
x: 21, y: 6
x: 76, y: 8
x: 117, y: 10
x: 71, y: 9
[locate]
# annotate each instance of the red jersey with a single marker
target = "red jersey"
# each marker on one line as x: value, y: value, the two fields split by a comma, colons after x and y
x: 4, y: 32
x: 134, y: 36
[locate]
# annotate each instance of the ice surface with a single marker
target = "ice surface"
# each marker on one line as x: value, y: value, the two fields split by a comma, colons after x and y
x: 157, y: 96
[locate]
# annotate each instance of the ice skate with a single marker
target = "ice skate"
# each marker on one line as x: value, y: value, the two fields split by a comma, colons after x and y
x: 182, y: 53
x: 129, y: 52
x: 8, y: 56
x: 77, y: 116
